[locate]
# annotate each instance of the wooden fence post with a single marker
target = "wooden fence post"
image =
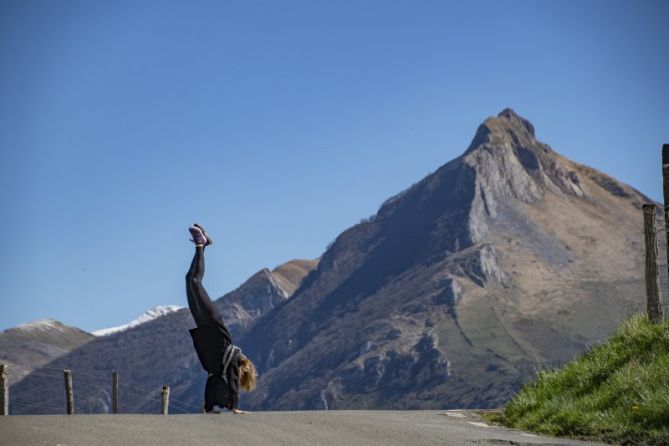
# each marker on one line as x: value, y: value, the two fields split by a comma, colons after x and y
x: 652, y: 271
x: 115, y: 392
x: 166, y: 399
x: 4, y: 390
x: 68, y: 391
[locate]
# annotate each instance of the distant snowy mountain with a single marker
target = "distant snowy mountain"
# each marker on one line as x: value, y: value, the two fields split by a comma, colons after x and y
x: 150, y: 315
x: 34, y: 344
x: 46, y: 324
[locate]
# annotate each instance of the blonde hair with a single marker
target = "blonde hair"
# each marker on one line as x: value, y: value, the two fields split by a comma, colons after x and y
x: 247, y: 374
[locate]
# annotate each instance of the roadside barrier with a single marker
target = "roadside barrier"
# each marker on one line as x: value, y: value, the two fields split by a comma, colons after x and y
x: 86, y: 383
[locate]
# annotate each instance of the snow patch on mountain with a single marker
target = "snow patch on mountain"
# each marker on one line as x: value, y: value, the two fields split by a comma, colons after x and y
x: 150, y: 315
x: 40, y: 324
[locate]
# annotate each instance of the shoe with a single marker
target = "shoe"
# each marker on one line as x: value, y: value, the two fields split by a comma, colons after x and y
x: 197, y: 235
x: 215, y: 409
x: 210, y: 241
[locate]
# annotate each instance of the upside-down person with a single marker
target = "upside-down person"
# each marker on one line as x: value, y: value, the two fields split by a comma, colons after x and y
x: 228, y: 368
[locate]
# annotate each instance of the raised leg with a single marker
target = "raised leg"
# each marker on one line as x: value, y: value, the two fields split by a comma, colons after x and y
x: 203, y: 310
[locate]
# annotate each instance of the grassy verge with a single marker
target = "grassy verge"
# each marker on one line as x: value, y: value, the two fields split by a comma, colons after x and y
x: 617, y: 392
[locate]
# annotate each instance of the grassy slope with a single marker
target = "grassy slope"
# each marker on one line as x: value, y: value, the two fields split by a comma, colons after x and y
x: 617, y: 392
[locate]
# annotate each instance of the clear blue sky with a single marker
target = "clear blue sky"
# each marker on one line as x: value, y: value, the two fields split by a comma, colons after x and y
x: 279, y: 124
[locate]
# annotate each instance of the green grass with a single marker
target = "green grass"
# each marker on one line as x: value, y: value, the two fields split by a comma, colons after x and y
x: 617, y: 392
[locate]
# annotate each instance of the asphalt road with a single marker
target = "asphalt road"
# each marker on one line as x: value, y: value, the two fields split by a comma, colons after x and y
x: 266, y: 428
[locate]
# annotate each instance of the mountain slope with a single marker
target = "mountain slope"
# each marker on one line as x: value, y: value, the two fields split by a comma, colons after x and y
x: 508, y: 258
x: 28, y: 346
x: 616, y: 392
x: 146, y: 356
x: 289, y: 275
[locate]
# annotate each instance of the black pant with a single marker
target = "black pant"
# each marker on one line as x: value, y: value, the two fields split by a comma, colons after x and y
x: 204, y: 311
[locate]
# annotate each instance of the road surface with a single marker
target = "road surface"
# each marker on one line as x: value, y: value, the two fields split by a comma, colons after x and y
x: 344, y: 427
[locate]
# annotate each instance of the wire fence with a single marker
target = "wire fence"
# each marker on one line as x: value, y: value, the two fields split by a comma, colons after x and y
x: 88, y: 385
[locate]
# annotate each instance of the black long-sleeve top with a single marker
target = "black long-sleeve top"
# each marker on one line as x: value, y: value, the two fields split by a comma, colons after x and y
x: 210, y: 343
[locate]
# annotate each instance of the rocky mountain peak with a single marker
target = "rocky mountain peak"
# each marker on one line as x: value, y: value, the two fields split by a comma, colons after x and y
x: 516, y: 120
x: 504, y: 167
x: 506, y: 130
x: 511, y: 162
x: 510, y: 165
x: 262, y: 292
x: 289, y: 275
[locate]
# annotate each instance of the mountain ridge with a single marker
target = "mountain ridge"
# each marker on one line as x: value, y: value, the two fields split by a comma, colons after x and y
x: 460, y: 230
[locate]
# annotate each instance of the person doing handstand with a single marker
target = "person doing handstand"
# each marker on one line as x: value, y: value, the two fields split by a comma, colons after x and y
x: 228, y: 368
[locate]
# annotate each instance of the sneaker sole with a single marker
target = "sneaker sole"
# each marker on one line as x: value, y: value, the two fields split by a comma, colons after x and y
x: 210, y: 241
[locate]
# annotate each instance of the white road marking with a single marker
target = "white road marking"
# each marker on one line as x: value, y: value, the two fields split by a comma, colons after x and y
x: 455, y: 414
x: 476, y: 423
x: 529, y: 435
